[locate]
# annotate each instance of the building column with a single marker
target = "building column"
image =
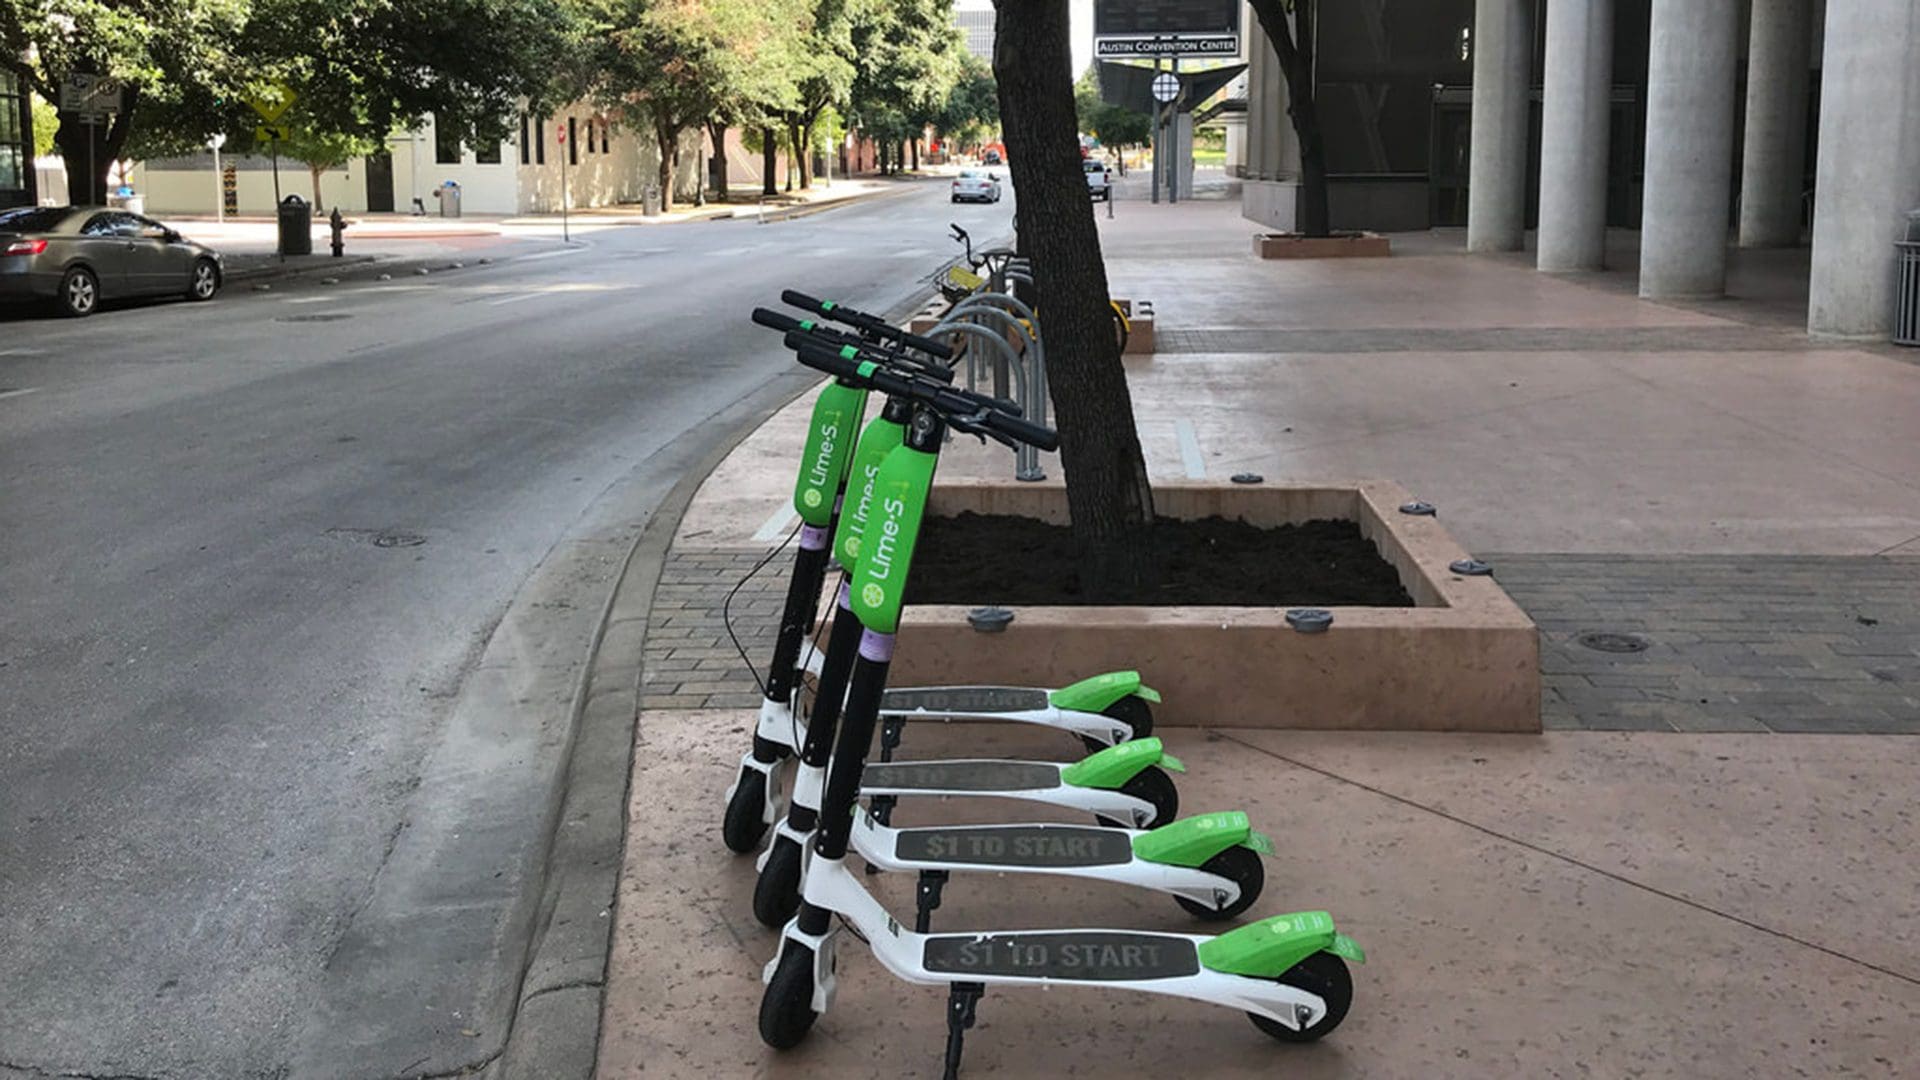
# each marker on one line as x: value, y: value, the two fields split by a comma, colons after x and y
x: 1574, y: 132
x: 1773, y: 164
x: 1497, y: 164
x: 1868, y: 173
x: 1690, y: 99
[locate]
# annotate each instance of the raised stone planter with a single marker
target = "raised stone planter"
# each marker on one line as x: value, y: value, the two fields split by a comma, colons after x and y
x: 1465, y: 658
x: 1295, y: 246
x: 1140, y: 322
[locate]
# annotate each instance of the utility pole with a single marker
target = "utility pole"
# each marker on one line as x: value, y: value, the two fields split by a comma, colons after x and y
x: 219, y: 178
x: 1157, y: 119
x: 1173, y: 137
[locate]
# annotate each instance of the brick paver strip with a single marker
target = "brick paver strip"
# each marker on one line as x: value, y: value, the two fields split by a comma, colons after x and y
x: 1735, y: 643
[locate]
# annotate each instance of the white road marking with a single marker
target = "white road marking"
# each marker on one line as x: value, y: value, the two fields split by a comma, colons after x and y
x: 780, y: 522
x: 1190, y: 450
x: 554, y: 254
x: 22, y: 352
x: 17, y: 393
x: 308, y: 299
x: 513, y: 299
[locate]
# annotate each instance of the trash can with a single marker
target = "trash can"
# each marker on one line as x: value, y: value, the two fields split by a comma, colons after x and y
x: 650, y: 201
x: 1906, y: 296
x: 449, y: 195
x: 296, y: 226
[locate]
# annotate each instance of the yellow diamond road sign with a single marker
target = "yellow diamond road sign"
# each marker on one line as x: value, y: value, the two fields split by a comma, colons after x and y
x: 273, y: 102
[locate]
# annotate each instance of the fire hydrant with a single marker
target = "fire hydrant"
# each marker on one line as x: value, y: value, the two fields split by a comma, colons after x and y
x: 339, y: 226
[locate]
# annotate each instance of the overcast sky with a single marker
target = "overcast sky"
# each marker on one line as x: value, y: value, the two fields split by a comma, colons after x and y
x: 1082, y: 14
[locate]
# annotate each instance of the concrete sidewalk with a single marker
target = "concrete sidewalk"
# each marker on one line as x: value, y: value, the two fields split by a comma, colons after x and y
x: 1697, y: 871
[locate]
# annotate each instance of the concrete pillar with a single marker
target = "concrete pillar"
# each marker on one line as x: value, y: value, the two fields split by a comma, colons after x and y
x: 1773, y: 163
x: 1690, y: 88
x: 1868, y: 173
x: 1497, y: 163
x: 1574, y: 135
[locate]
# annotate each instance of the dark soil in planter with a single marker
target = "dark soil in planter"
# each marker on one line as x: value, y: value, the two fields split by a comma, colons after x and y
x: 994, y: 559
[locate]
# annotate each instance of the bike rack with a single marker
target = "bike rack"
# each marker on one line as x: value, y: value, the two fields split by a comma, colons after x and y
x: 1026, y: 458
x: 1035, y: 392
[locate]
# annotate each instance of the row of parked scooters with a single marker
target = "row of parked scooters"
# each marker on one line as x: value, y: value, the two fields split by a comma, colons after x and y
x: 861, y: 501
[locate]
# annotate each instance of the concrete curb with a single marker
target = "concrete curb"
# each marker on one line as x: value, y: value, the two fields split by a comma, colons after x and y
x: 555, y: 1032
x: 556, y: 1026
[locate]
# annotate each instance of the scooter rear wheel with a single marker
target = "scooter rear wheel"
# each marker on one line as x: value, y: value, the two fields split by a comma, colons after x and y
x: 1324, y: 974
x: 776, y: 893
x: 745, y: 822
x: 1153, y: 786
x: 1242, y: 867
x: 786, y: 1008
x: 1131, y: 711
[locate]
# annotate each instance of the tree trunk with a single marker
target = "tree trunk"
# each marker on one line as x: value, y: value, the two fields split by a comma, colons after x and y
x: 1296, y: 54
x: 769, y: 165
x: 1108, y: 495
x: 915, y: 143
x: 806, y: 159
x: 669, y: 157
x: 717, y: 165
x: 316, y: 171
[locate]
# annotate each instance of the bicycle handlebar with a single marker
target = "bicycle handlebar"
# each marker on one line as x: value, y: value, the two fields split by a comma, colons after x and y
x: 962, y: 409
x: 860, y: 320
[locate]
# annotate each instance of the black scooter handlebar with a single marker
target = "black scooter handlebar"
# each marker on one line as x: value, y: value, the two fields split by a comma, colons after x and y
x: 828, y: 335
x: 964, y: 409
x: 860, y: 320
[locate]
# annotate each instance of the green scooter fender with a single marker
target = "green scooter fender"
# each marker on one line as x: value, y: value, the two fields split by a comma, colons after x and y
x: 1095, y: 694
x: 1113, y: 767
x: 830, y: 435
x: 1269, y: 948
x: 880, y: 438
x: 1192, y: 841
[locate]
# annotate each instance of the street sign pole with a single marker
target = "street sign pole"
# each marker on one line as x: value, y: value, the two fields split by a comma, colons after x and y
x: 219, y: 183
x: 566, y: 237
x: 1156, y: 136
x: 1174, y: 137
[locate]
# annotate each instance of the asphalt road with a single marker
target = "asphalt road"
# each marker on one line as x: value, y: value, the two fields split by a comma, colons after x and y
x: 250, y: 552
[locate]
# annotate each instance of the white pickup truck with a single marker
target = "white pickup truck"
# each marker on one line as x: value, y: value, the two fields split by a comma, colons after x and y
x: 1099, y: 179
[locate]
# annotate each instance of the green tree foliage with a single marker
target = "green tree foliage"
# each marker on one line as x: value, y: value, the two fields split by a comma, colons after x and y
x: 972, y: 109
x: 319, y: 149
x: 45, y: 119
x: 909, y: 54
x: 1114, y: 125
x: 360, y: 67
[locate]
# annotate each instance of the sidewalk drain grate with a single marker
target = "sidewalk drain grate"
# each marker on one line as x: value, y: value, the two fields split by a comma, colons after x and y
x: 398, y: 539
x: 325, y: 317
x: 1603, y: 641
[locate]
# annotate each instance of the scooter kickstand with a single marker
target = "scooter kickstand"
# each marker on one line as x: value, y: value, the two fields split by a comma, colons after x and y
x: 890, y: 731
x: 927, y: 899
x: 961, y: 999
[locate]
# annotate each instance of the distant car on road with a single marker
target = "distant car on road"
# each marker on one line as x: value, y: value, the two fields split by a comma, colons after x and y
x: 1099, y: 180
x: 991, y: 157
x: 77, y: 256
x: 973, y: 185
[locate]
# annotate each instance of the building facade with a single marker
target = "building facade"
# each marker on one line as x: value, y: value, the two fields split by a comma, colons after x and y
x: 598, y: 161
x: 17, y: 180
x: 975, y: 20
x: 1704, y: 124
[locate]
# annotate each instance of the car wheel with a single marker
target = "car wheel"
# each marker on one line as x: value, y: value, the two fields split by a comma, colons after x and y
x: 205, y: 282
x: 79, y: 293
x: 956, y: 198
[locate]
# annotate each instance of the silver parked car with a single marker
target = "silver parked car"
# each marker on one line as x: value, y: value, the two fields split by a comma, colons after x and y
x: 77, y: 256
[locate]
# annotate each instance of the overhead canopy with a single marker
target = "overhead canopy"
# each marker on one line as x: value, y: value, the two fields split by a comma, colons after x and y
x: 1130, y: 86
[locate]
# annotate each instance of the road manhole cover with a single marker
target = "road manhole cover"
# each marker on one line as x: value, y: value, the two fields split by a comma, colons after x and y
x: 1606, y: 641
x: 398, y: 539
x: 334, y: 316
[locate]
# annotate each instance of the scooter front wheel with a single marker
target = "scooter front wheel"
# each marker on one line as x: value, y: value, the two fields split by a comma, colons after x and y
x: 1323, y: 974
x: 776, y: 894
x: 1242, y: 867
x: 786, y: 1008
x: 746, y: 821
x: 1131, y: 711
x: 1154, y: 787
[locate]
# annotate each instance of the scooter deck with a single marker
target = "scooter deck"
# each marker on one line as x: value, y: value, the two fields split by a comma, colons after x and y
x: 1051, y: 847
x: 973, y: 700
x: 980, y: 776
x: 1078, y: 955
